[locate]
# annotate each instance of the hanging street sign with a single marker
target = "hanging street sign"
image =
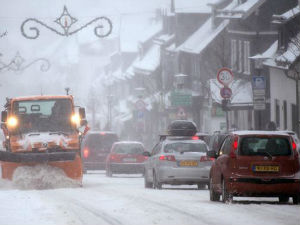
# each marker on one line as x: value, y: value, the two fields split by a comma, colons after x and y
x: 225, y: 76
x: 225, y: 92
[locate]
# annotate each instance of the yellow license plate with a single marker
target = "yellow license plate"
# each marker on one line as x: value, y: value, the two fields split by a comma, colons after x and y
x: 266, y: 168
x: 188, y: 163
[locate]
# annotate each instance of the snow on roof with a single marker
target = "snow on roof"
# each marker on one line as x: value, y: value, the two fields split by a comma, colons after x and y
x: 285, y: 59
x: 269, y: 53
x: 290, y: 14
x: 241, y: 11
x: 241, y: 91
x: 193, y: 6
x: 292, y: 52
x: 200, y: 39
x: 150, y: 61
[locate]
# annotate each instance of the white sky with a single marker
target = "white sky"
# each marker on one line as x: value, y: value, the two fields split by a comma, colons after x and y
x: 63, y: 52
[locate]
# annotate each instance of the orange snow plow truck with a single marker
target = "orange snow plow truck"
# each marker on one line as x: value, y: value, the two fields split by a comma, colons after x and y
x: 42, y: 130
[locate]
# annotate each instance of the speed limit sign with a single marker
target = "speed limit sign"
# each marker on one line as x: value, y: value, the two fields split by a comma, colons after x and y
x: 225, y: 76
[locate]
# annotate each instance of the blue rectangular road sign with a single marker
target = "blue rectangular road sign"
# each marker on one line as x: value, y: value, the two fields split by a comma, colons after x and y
x: 258, y: 82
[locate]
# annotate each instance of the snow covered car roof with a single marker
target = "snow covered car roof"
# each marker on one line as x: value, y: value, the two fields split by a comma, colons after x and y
x: 259, y: 132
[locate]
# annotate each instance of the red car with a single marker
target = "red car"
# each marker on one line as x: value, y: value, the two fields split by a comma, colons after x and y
x: 126, y: 157
x: 255, y: 163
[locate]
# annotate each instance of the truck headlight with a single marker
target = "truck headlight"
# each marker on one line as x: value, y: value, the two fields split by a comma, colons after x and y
x: 75, y: 119
x: 12, y: 122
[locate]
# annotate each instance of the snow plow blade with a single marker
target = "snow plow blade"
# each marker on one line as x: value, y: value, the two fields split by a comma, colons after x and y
x: 69, y: 162
x: 36, y: 157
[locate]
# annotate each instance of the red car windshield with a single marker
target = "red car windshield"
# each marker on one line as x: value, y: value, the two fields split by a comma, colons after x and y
x: 275, y: 146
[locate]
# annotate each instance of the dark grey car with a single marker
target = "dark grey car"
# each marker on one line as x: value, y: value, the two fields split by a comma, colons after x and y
x: 178, y: 161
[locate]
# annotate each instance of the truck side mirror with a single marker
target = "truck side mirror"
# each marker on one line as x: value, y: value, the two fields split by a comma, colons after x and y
x: 83, y: 122
x: 82, y: 113
x: 3, y: 116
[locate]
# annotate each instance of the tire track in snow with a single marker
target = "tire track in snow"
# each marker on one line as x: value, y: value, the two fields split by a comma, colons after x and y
x: 199, y: 219
x: 62, y: 197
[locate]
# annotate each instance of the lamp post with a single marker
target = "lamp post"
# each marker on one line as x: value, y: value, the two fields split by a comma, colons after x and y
x: 109, y: 111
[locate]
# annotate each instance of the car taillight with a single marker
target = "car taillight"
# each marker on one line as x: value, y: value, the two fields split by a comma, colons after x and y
x: 195, y: 138
x: 112, y: 157
x: 206, y: 158
x: 234, y: 147
x: 167, y: 157
x: 294, y: 146
x: 86, y: 153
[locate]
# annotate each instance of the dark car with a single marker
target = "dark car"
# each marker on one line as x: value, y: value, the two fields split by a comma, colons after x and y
x: 126, y: 157
x: 256, y: 163
x: 95, y: 148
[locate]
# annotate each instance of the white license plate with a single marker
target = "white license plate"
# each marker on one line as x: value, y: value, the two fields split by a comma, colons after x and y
x: 129, y: 160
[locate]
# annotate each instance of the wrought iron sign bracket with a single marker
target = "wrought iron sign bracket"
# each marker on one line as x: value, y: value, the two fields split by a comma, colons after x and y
x: 66, y: 21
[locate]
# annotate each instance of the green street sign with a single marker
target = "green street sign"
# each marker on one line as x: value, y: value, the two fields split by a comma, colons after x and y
x: 181, y: 99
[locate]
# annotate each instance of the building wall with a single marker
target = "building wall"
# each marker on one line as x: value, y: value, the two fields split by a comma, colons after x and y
x: 282, y: 89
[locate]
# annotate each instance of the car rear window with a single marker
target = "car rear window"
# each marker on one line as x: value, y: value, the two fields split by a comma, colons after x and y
x: 185, y: 147
x: 100, y: 142
x: 275, y: 146
x: 128, y: 149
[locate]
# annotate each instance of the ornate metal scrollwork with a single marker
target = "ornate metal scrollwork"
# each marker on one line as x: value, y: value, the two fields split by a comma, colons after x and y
x: 66, y: 21
x: 17, y: 64
x: 3, y: 34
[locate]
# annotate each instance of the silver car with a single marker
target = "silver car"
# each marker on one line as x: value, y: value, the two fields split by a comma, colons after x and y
x: 178, y: 161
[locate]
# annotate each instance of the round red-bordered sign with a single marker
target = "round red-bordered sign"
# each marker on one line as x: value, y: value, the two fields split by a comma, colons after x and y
x: 225, y: 76
x: 225, y: 92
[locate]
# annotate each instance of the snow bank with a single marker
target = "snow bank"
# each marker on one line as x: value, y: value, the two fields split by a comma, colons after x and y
x: 41, y: 177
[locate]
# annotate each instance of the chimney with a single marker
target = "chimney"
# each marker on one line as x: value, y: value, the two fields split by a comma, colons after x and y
x: 213, y: 16
x: 173, y: 6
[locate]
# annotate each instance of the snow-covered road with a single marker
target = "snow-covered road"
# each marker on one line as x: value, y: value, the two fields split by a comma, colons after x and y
x: 123, y: 199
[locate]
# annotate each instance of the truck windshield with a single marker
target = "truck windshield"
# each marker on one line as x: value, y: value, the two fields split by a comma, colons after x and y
x: 51, y: 115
